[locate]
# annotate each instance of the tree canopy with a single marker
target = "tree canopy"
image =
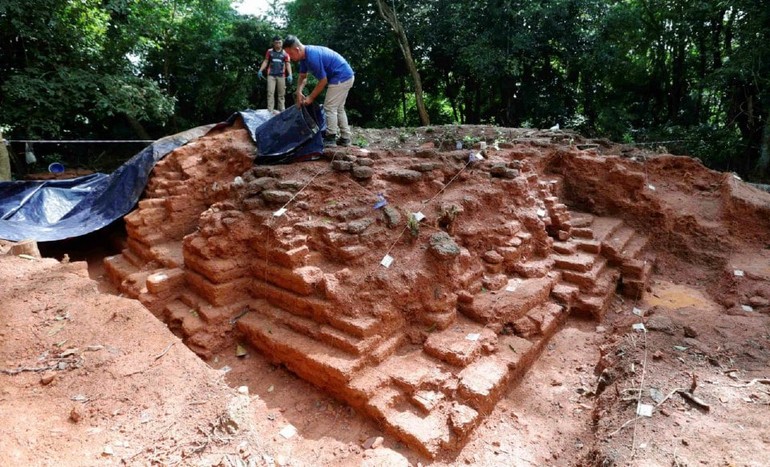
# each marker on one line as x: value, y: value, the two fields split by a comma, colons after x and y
x: 692, y: 76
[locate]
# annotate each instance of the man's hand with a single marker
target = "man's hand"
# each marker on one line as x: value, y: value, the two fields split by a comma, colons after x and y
x: 260, y: 75
x: 290, y: 79
x: 300, y: 98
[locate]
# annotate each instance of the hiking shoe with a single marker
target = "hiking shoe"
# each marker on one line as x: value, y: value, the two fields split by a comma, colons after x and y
x: 330, y: 141
x: 343, y: 142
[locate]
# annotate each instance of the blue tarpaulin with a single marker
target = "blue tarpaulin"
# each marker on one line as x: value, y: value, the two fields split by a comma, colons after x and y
x: 59, y: 209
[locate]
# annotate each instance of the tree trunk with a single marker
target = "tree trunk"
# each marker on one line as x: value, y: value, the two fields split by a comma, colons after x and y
x: 389, y: 15
x: 763, y: 164
x: 138, y: 128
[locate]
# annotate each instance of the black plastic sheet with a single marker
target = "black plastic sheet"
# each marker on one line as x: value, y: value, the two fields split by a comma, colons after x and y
x: 59, y: 209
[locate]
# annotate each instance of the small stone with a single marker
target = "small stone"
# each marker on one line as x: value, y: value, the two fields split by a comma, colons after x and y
x: 362, y: 172
x: 341, y: 166
x: 759, y: 302
x: 443, y: 246
x: 75, y: 415
x: 690, y: 332
x: 47, y: 379
x: 374, y: 442
x: 658, y: 355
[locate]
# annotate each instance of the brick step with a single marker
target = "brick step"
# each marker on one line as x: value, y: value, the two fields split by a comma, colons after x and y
x: 506, y: 305
x: 580, y: 262
x: 634, y: 287
x: 182, y: 319
x: 133, y: 258
x: 595, y: 302
x: 219, y: 294
x: 316, y: 362
x: 539, y: 320
x: 460, y: 343
x: 568, y: 247
x: 565, y: 293
x: 321, y: 332
x: 604, y: 227
x: 149, y: 203
x: 140, y: 250
x: 169, y: 253
x: 135, y: 284
x: 118, y: 267
x: 438, y: 320
x: 586, y: 280
x: 613, y: 245
x: 635, y: 247
x: 580, y: 219
x: 589, y: 245
x: 534, y: 268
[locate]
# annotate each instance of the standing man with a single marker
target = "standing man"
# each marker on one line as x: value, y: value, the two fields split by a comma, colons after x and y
x: 332, y: 71
x: 279, y: 72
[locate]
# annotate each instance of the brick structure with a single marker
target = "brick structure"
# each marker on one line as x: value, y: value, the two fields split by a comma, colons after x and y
x: 290, y: 257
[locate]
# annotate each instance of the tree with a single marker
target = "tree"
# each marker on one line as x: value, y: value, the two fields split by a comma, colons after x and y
x: 389, y: 15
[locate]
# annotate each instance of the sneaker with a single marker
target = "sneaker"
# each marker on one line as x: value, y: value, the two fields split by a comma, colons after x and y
x: 343, y: 142
x: 330, y: 141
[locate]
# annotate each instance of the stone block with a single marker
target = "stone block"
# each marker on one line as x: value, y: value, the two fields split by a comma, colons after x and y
x: 482, y: 383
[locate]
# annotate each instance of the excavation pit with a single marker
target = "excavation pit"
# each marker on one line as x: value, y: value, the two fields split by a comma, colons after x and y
x: 422, y: 312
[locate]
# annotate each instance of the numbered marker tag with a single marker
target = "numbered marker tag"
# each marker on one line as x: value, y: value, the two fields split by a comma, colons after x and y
x: 651, y: 187
x: 477, y: 156
x: 639, y: 327
x: 472, y: 337
x: 738, y: 273
x: 381, y: 202
x: 279, y: 212
x: 541, y: 213
x: 644, y: 410
x: 418, y: 216
x: 387, y: 261
x: 637, y: 312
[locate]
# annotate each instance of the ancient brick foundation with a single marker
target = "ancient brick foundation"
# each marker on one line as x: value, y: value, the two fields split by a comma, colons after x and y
x: 291, y: 259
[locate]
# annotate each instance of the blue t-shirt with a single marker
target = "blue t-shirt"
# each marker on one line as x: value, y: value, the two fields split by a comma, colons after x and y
x: 323, y: 62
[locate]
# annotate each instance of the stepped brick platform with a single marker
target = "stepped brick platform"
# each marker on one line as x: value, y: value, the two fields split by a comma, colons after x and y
x: 423, y: 324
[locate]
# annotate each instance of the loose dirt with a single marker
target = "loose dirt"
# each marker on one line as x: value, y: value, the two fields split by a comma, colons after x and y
x: 93, y: 377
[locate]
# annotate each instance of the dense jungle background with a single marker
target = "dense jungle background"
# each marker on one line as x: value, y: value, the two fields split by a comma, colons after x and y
x: 690, y: 76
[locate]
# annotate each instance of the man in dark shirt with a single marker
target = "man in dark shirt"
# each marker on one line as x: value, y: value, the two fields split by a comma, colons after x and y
x: 279, y: 66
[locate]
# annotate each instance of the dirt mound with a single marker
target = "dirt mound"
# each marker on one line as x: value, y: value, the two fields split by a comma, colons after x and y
x: 418, y: 279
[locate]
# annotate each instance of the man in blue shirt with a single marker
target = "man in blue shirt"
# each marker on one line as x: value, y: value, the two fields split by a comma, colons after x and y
x: 333, y: 72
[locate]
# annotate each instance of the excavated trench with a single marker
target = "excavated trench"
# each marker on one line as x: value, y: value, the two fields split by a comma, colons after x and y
x: 416, y: 284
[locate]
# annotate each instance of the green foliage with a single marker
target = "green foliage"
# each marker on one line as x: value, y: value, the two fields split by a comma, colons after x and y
x: 634, y: 71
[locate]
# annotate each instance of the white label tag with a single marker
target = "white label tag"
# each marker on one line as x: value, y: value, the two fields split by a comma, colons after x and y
x: 651, y: 187
x: 418, y: 216
x: 279, y: 212
x: 639, y: 327
x: 541, y: 213
x: 637, y: 312
x: 644, y: 410
x: 473, y: 337
x: 387, y: 261
x: 738, y: 273
x: 288, y: 431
